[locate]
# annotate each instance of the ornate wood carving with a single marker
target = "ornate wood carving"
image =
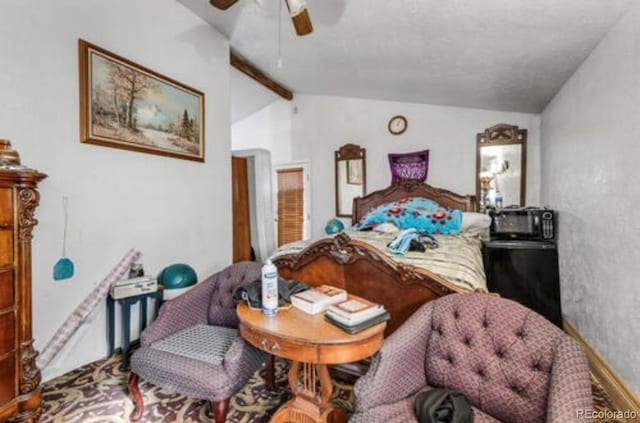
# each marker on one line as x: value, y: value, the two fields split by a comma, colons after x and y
x: 30, y: 377
x: 366, y: 271
x: 29, y: 416
x: 29, y: 199
x: 502, y: 133
x: 350, y: 152
x: 21, y: 397
x: 410, y: 188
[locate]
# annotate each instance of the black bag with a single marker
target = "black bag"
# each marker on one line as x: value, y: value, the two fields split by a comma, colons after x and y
x: 443, y: 406
x: 252, y: 292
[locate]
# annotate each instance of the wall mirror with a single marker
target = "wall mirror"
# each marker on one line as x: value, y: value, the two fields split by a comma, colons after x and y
x: 351, y: 177
x: 501, y: 166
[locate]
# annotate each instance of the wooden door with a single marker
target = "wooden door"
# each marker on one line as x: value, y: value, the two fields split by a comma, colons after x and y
x: 290, y: 205
x: 240, y: 209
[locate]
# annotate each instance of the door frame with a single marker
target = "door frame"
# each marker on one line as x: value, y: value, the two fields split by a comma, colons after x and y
x: 306, y: 194
x: 265, y: 242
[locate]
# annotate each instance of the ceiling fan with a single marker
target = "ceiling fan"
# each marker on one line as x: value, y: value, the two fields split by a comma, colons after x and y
x: 297, y: 10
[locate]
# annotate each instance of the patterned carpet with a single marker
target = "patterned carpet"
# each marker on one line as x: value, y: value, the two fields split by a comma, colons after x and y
x: 97, y: 393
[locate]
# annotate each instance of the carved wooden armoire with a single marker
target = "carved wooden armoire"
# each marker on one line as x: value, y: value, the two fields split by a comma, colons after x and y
x: 20, y: 395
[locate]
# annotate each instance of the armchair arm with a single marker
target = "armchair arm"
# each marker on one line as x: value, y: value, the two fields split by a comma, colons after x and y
x: 570, y: 384
x: 186, y: 310
x: 397, y: 370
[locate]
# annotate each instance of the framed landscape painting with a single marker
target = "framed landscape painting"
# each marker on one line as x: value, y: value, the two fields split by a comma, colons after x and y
x: 125, y: 105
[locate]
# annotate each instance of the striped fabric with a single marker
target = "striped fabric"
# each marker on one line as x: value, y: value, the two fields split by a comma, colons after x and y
x: 83, y: 310
x: 457, y: 259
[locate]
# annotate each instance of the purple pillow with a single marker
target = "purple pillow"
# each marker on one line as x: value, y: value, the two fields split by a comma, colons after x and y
x: 409, y: 166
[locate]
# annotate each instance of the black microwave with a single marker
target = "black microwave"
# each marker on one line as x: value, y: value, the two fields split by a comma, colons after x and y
x: 526, y: 223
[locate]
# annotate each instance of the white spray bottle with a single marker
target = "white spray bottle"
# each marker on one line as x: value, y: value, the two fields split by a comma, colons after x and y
x: 269, y: 288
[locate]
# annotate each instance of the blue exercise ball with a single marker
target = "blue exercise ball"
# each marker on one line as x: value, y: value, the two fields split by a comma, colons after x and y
x: 177, y: 276
x: 334, y: 226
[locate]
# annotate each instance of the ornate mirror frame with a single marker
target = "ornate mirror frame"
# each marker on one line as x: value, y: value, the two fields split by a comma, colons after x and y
x: 355, y: 175
x: 501, y: 135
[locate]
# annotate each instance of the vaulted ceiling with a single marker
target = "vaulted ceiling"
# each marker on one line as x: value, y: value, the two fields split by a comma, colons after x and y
x: 493, y: 54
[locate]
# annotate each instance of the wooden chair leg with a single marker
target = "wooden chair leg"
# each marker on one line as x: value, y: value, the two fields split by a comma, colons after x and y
x: 270, y: 373
x: 219, y: 409
x: 134, y: 391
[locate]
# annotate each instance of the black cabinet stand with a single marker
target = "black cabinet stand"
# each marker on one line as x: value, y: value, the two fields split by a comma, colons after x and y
x: 526, y: 272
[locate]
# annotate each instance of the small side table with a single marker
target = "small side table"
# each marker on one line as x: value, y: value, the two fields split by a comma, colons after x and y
x: 125, y: 305
x: 311, y: 343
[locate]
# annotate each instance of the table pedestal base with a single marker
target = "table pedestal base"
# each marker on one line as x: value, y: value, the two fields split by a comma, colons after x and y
x: 309, y: 404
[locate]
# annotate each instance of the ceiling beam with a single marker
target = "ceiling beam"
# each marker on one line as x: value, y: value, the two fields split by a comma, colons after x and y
x: 259, y: 76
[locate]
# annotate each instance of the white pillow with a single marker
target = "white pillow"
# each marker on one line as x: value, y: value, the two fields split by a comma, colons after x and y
x: 475, y: 222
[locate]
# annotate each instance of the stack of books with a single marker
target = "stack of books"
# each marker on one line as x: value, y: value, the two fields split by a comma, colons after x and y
x: 318, y: 299
x: 356, y: 314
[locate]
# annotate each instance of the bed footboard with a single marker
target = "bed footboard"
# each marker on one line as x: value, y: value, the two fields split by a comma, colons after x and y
x: 367, y: 272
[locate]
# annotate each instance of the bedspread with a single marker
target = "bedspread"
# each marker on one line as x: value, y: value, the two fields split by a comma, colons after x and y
x: 457, y: 259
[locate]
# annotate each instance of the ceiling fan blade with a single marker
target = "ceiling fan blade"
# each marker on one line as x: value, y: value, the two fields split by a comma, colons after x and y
x: 222, y: 4
x: 300, y: 16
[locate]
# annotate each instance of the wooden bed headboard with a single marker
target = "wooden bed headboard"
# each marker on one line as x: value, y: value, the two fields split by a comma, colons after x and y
x: 365, y: 271
x: 404, y: 189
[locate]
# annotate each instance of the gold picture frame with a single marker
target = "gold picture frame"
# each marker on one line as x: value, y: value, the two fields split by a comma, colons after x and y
x: 125, y: 105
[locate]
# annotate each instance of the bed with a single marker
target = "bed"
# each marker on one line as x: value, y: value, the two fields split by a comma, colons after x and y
x: 367, y: 271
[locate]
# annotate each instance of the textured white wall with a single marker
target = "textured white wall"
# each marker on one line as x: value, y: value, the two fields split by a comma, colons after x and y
x: 172, y: 210
x: 322, y: 124
x: 268, y: 128
x: 590, y: 156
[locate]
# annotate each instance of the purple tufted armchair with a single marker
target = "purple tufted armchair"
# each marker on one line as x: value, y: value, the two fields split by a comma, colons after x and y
x: 194, y: 348
x: 512, y: 364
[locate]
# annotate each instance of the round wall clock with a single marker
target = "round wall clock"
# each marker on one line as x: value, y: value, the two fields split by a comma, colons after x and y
x: 397, y: 125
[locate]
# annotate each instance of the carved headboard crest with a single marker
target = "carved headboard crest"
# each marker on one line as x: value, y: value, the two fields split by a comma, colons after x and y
x: 502, y: 133
x: 413, y: 188
x: 349, y: 152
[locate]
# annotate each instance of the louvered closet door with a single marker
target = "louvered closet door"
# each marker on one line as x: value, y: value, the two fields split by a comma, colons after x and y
x: 290, y: 205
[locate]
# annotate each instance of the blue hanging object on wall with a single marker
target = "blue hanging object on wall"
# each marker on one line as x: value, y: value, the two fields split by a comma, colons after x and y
x: 63, y: 269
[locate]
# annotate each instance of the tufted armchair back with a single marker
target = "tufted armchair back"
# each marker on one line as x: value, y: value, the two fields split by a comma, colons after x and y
x: 222, y: 308
x: 512, y: 364
x: 495, y: 351
x: 209, y: 302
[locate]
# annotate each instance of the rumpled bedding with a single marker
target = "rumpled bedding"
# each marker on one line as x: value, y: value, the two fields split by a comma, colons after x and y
x: 458, y: 258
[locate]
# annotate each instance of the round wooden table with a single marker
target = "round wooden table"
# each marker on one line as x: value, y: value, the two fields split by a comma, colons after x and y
x: 311, y: 343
